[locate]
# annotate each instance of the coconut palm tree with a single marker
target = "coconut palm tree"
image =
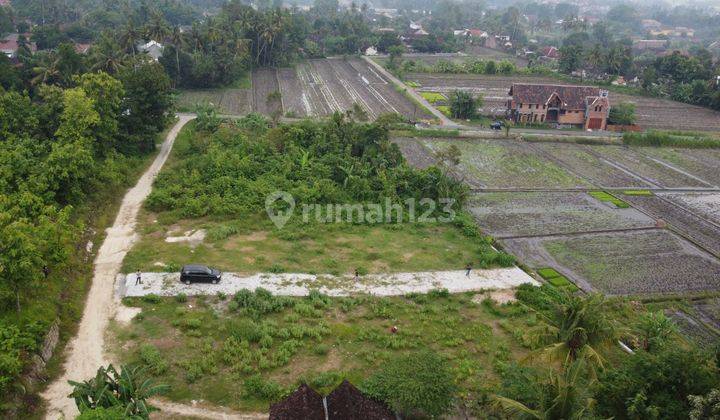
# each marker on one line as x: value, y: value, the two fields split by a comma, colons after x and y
x: 129, y: 35
x: 47, y: 71
x: 177, y: 39
x: 157, y: 28
x: 563, y: 396
x: 107, y: 56
x: 578, y: 327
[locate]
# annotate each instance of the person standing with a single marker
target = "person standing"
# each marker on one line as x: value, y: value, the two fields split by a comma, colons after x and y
x: 138, y: 278
x: 46, y: 271
x: 468, y: 268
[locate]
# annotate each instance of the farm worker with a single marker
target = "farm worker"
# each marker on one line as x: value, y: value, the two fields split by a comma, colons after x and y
x: 357, y: 274
x: 46, y: 271
x: 468, y: 268
x: 138, y: 279
x: 394, y: 329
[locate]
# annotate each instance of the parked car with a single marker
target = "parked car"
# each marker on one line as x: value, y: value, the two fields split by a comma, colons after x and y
x: 497, y: 125
x: 195, y: 273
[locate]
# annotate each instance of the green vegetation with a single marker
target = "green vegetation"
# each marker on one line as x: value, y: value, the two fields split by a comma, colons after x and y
x: 254, y: 348
x: 324, y: 163
x: 68, y: 151
x: 556, y: 279
x: 463, y: 105
x: 672, y: 139
x: 125, y: 392
x: 622, y: 114
x: 433, y: 97
x: 638, y: 192
x: 609, y: 198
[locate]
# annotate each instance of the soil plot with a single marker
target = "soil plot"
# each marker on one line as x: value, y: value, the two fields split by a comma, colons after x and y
x: 506, y: 164
x: 689, y: 223
x: 629, y: 263
x: 546, y: 213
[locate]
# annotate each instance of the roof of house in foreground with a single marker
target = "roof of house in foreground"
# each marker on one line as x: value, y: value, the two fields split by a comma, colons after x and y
x: 573, y: 97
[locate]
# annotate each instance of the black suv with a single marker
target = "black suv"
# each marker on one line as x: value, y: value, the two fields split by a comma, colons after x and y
x: 497, y: 125
x: 199, y: 274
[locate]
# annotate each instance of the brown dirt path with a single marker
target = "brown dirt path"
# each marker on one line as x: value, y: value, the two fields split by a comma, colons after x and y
x: 85, y: 352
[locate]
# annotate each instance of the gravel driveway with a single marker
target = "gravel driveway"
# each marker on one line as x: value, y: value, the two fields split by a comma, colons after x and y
x: 290, y: 284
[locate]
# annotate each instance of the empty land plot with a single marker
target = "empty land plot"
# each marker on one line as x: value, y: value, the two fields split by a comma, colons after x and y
x: 228, y: 101
x: 579, y: 159
x: 264, y: 86
x: 703, y: 163
x: 651, y: 113
x: 473, y: 53
x: 508, y: 214
x: 699, y: 230
x: 655, y: 171
x: 705, y: 205
x: 506, y: 164
x: 628, y: 263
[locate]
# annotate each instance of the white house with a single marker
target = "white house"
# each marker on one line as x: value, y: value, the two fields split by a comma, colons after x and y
x: 153, y: 48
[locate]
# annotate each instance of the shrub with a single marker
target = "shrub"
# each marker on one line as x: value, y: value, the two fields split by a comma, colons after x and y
x: 153, y: 359
x: 223, y: 231
x: 181, y: 298
x: 152, y: 298
x: 416, y: 384
x: 257, y: 387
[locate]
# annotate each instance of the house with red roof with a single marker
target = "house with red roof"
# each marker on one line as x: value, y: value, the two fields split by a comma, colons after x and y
x: 579, y: 106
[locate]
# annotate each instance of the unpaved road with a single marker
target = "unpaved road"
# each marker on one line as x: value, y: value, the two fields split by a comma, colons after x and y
x: 85, y: 353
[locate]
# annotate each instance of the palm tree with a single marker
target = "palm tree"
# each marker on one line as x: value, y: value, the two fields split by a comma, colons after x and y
x: 157, y: 28
x: 562, y: 397
x: 107, y: 56
x: 129, y: 35
x: 47, y: 71
x: 578, y: 327
x: 177, y: 39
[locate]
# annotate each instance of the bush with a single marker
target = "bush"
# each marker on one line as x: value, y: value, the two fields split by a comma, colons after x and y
x: 622, y: 114
x: 257, y: 387
x: 151, y: 298
x: 418, y: 384
x: 181, y: 298
x: 151, y: 357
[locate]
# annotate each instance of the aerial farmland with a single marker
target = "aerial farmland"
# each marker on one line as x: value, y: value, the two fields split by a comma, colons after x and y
x: 652, y: 113
x: 620, y: 220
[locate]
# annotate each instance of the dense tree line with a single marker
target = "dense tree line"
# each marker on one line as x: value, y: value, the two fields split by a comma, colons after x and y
x: 68, y: 135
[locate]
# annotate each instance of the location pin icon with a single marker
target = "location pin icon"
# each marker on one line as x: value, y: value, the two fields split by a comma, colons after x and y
x: 280, y: 214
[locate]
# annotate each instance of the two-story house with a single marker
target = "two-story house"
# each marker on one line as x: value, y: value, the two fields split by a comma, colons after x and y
x: 580, y: 106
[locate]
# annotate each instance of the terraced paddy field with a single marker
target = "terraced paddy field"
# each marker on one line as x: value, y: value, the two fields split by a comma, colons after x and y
x: 494, y: 163
x: 652, y: 113
x: 228, y: 101
x: 702, y: 163
x: 582, y: 160
x: 654, y: 171
x: 704, y: 205
x: 324, y: 86
x: 701, y: 231
x: 637, y: 263
x: 511, y: 214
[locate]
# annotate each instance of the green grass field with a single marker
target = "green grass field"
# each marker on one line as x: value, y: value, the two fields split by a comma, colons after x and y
x: 258, y: 246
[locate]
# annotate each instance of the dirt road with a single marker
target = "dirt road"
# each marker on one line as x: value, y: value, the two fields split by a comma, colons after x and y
x: 85, y: 352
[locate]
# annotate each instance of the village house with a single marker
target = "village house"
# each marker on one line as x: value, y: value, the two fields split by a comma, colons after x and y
x: 579, y: 106
x: 10, y: 43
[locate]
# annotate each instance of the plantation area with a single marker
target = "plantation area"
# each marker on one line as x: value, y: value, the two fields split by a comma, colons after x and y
x: 644, y: 263
x: 504, y: 214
